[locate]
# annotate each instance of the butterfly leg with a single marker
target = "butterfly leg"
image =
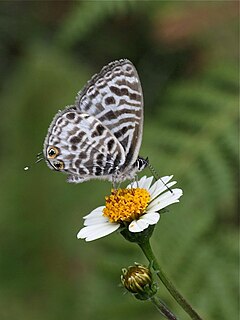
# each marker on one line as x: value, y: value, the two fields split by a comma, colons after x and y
x: 135, y: 179
x: 116, y: 180
x: 76, y: 179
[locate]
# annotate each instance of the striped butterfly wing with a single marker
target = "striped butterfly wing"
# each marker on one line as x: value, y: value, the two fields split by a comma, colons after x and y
x: 81, y: 146
x: 114, y: 97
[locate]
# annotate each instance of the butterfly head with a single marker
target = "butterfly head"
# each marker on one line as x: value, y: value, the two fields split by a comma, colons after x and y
x: 141, y: 163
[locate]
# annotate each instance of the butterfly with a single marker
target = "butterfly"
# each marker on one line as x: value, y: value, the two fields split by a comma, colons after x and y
x: 99, y: 137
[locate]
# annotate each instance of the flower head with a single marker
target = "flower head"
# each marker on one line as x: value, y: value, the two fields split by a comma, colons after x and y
x: 136, y: 207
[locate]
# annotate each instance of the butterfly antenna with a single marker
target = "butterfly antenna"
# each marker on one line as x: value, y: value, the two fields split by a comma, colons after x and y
x: 39, y: 158
x: 157, y: 177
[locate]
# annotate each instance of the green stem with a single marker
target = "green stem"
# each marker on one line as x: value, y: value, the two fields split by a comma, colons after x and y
x: 147, y: 250
x: 162, y: 308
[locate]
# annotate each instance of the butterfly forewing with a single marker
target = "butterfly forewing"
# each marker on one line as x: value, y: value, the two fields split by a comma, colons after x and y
x: 114, y: 97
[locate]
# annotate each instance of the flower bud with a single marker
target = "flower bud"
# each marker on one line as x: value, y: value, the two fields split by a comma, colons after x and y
x: 138, y: 280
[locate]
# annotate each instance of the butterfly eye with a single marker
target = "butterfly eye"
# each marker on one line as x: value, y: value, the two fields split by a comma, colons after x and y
x: 53, y: 152
x: 58, y: 165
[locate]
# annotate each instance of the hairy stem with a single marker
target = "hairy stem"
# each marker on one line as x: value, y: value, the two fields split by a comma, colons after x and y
x: 147, y: 250
x: 162, y: 308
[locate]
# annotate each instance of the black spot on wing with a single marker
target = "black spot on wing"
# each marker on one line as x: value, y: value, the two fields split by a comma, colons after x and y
x: 110, y: 144
x: 82, y: 171
x: 99, y: 159
x: 115, y: 90
x: 124, y: 130
x: 100, y: 129
x: 98, y: 171
x: 59, y: 121
x: 82, y: 155
x: 77, y: 163
x: 70, y: 115
x: 110, y: 100
x: 81, y: 135
x: 75, y: 139
x: 116, y: 161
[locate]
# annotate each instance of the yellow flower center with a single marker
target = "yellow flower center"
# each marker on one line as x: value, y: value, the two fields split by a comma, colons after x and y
x: 125, y: 205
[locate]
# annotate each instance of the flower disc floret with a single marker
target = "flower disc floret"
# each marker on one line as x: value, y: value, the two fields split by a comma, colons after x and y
x: 126, y: 205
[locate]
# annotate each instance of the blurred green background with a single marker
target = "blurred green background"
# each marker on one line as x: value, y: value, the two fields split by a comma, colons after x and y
x: 186, y: 54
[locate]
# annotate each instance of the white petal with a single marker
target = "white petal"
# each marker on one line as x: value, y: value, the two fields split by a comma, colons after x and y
x: 139, y: 183
x: 167, y: 203
x: 96, y: 212
x: 162, y: 181
x: 165, y: 200
x: 156, y: 187
x: 143, y: 183
x: 84, y: 232
x: 175, y: 194
x: 151, y: 217
x: 90, y: 233
x: 144, y: 221
x: 146, y: 184
x: 132, y: 185
x: 158, y: 190
x: 95, y: 220
x: 159, y: 186
x: 137, y: 225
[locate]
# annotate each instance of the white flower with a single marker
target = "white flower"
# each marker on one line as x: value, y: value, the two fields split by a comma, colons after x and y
x: 136, y: 207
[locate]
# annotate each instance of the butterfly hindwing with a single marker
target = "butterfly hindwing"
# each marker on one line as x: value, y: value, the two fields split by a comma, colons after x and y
x: 86, y: 148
